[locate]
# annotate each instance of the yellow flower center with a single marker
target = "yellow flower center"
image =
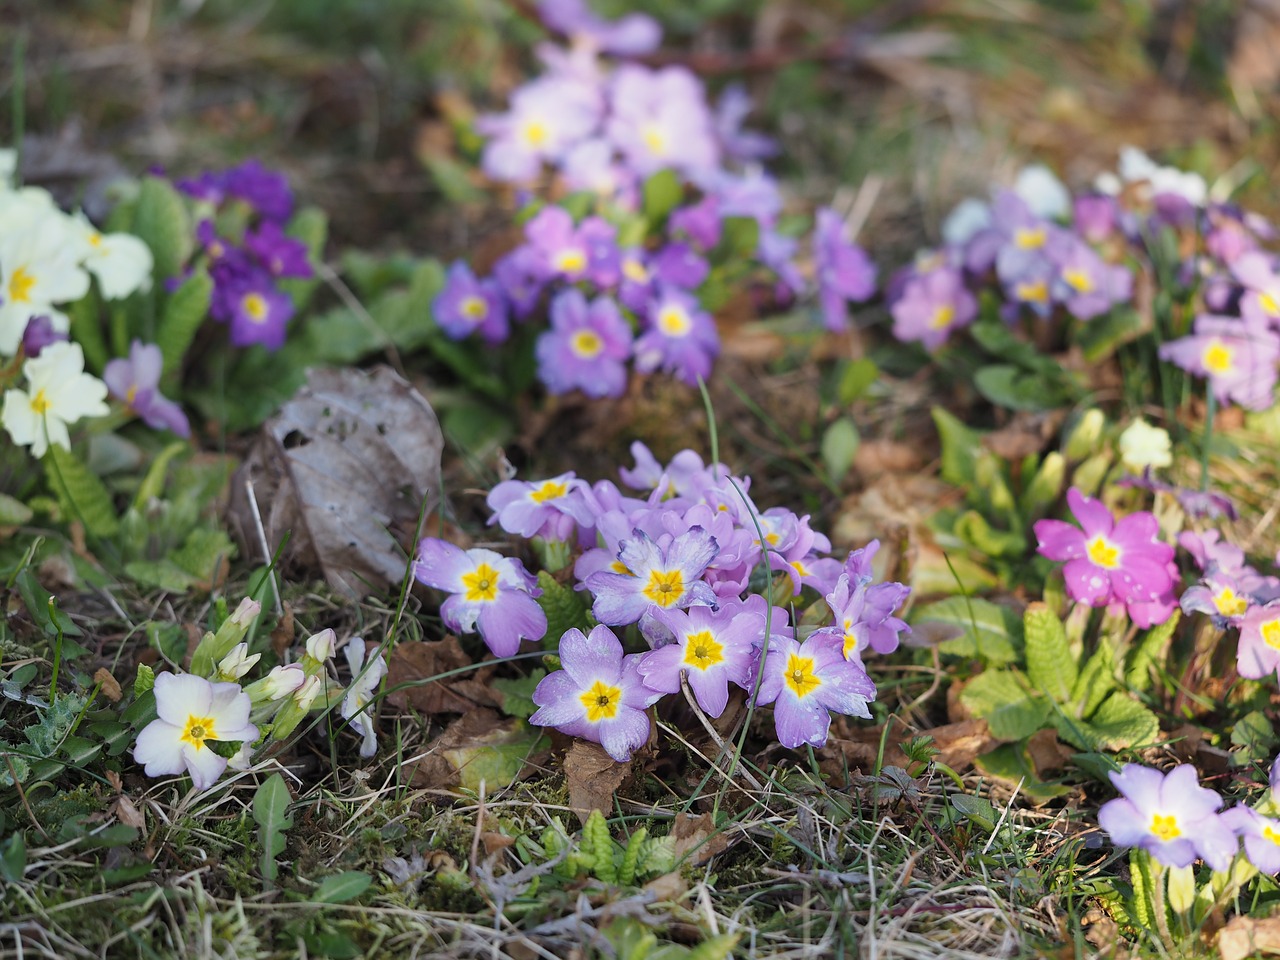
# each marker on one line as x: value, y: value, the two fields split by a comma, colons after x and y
x: 1165, y: 827
x: 850, y: 640
x: 40, y: 403
x: 198, y: 730
x: 942, y: 317
x: 665, y: 588
x: 571, y: 261
x: 95, y: 239
x: 1271, y: 834
x: 800, y: 676
x: 255, y: 305
x: 799, y: 567
x: 549, y: 490
x: 1271, y: 633
x: 1269, y: 303
x: 130, y: 395
x: 654, y: 138
x: 1034, y: 292
x: 1230, y: 603
x: 473, y: 308
x: 587, y: 344
x: 1103, y: 552
x: 635, y: 271
x: 1029, y: 238
x: 1078, y: 280
x: 481, y: 584
x: 702, y: 651
x: 1218, y: 357
x: 20, y: 285
x: 619, y: 567
x: 674, y: 322
x: 601, y: 702
x: 536, y: 133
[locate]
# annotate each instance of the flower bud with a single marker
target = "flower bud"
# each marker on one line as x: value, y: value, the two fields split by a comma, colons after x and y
x: 305, y: 696
x: 283, y: 681
x: 322, y: 645
x: 237, y: 663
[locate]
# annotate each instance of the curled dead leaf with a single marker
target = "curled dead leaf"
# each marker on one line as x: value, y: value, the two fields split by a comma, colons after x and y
x: 110, y: 686
x: 479, y: 746
x: 344, y: 469
x: 414, y: 664
x: 1245, y: 937
x: 698, y: 838
x: 593, y: 776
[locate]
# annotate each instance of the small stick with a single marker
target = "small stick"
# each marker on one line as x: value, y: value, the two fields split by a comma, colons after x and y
x: 262, y: 542
x: 706, y: 724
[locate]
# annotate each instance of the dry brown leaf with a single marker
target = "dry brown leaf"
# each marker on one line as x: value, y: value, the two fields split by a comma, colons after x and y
x: 344, y: 468
x: 668, y: 888
x: 479, y: 745
x: 875, y: 457
x: 110, y: 685
x: 593, y: 777
x: 1244, y: 937
x: 415, y: 661
x: 1048, y: 754
x: 698, y: 837
x: 1025, y: 434
x: 282, y: 636
x: 959, y: 743
x: 128, y: 814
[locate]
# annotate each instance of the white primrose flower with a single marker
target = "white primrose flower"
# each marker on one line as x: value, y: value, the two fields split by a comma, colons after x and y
x: 121, y: 262
x: 323, y: 645
x: 1044, y: 193
x: 192, y: 711
x: 58, y: 393
x: 282, y: 681
x: 237, y: 663
x: 1142, y: 446
x: 39, y: 263
x: 361, y: 692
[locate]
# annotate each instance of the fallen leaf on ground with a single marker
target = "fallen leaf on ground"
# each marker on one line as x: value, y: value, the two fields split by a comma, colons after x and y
x: 478, y: 746
x: 1245, y: 936
x: 110, y: 685
x: 416, y: 661
x: 697, y: 837
x: 344, y: 468
x: 128, y: 814
x: 593, y: 777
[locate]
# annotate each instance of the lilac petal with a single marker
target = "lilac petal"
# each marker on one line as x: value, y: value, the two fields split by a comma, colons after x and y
x: 591, y: 658
x: 440, y: 564
x: 1182, y: 791
x: 691, y: 552
x: 660, y: 669
x: 1059, y: 540
x: 1216, y: 842
x: 1141, y: 785
x: 1123, y: 822
x: 799, y: 722
x: 512, y: 617
x: 711, y: 689
x: 624, y: 733
x: 1174, y: 853
x: 559, y: 700
x: 1093, y: 514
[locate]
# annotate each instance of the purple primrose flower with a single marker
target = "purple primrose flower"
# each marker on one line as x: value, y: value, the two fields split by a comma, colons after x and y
x: 931, y: 306
x: 805, y: 682
x: 1259, y: 651
x: 1237, y: 356
x: 551, y: 509
x: 658, y: 575
x: 844, y: 270
x: 466, y: 305
x: 586, y: 348
x: 1170, y: 816
x: 632, y: 35
x: 681, y: 337
x: 136, y: 382
x: 713, y: 648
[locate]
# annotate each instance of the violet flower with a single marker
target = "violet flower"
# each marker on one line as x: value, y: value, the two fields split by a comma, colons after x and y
x: 586, y: 348
x: 1109, y: 562
x: 597, y: 694
x: 805, y: 682
x: 1237, y: 356
x: 1085, y: 283
x: 550, y: 509
x: 1258, y: 653
x: 661, y: 575
x: 713, y: 648
x: 931, y: 306
x: 681, y: 338
x: 587, y: 251
x: 466, y: 305
x: 660, y: 119
x: 1261, y: 836
x: 546, y: 118
x: 519, y: 279
x: 40, y: 333
x: 844, y: 270
x: 744, y: 146
x: 632, y: 35
x: 490, y: 593
x: 279, y: 254
x: 136, y: 382
x: 864, y: 616
x: 1170, y: 816
x: 259, y: 314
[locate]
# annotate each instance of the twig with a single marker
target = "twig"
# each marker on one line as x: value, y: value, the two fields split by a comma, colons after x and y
x: 725, y: 749
x: 262, y: 542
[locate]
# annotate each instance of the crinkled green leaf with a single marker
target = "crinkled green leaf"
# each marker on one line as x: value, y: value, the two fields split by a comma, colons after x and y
x: 184, y: 312
x: 1010, y: 711
x: 1149, y: 653
x: 961, y: 446
x: 161, y: 220
x: 1096, y: 680
x: 565, y: 608
x: 516, y: 693
x: 989, y: 631
x: 1050, y: 664
x: 82, y: 496
x: 1120, y: 722
x: 661, y: 192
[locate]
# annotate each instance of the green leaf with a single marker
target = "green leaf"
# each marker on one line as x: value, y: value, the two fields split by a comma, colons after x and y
x: 50, y: 618
x: 839, y: 447
x: 13, y: 857
x: 82, y: 495
x: 661, y: 192
x: 1120, y: 722
x: 1007, y: 386
x: 739, y: 238
x: 1044, y: 489
x: 1101, y: 336
x: 973, y: 528
x: 497, y: 758
x: 597, y: 843
x: 1255, y: 737
x: 857, y: 378
x: 961, y: 446
x: 183, y: 314
x: 516, y: 693
x: 1010, y: 711
x: 1010, y: 762
x: 1096, y: 680
x: 13, y: 512
x: 311, y: 226
x: 990, y: 632
x: 1150, y: 653
x: 342, y: 887
x: 161, y: 574
x: 144, y: 680
x: 1050, y: 664
x: 86, y: 330
x: 976, y: 810
x: 271, y: 813
x: 565, y: 608
x: 161, y: 220
x: 152, y: 485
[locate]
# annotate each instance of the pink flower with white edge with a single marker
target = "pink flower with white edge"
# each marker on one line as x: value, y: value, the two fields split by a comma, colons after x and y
x: 1109, y: 561
x: 192, y: 712
x: 1259, y: 651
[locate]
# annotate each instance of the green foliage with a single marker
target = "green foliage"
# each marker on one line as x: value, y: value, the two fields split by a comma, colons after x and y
x: 184, y: 312
x: 1011, y: 710
x: 516, y: 693
x: 161, y: 220
x: 81, y: 495
x: 565, y: 608
x: 342, y: 887
x: 662, y: 193
x: 840, y: 443
x: 988, y: 631
x: 271, y: 813
x: 1050, y: 663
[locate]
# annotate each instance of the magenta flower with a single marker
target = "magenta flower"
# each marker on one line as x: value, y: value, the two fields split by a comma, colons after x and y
x: 1108, y: 562
x: 490, y: 593
x: 805, y: 682
x: 681, y: 337
x: 1259, y: 651
x: 586, y: 348
x: 1170, y: 816
x: 279, y: 254
x: 659, y: 575
x: 466, y: 305
x: 713, y: 648
x: 551, y: 509
x: 1237, y: 356
x: 1261, y: 837
x: 598, y: 694
x: 931, y: 306
x: 844, y: 270
x: 136, y: 382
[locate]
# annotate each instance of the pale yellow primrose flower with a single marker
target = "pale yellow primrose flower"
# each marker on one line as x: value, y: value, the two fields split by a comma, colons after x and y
x: 39, y: 263
x: 58, y: 393
x: 1142, y: 446
x: 322, y: 645
x: 121, y: 262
